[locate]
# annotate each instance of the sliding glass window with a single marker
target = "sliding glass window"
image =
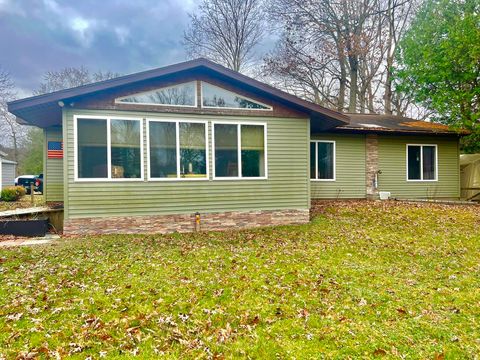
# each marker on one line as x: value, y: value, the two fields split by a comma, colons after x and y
x: 108, y: 149
x: 177, y: 150
x: 421, y: 162
x: 239, y: 150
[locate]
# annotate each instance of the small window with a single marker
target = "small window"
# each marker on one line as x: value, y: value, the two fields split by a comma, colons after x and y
x: 125, y: 149
x: 216, y: 97
x: 322, y: 160
x: 422, y: 162
x: 177, y: 95
x: 177, y: 150
x: 92, y: 148
x: 114, y: 156
x: 226, y: 150
x: 163, y: 149
x: 239, y: 151
x: 193, y: 150
x: 253, y: 151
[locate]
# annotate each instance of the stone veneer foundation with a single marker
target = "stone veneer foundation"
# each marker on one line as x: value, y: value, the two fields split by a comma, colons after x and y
x: 161, y: 224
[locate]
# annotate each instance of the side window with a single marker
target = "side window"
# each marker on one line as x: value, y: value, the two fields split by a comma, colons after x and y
x: 322, y: 160
x: 422, y: 162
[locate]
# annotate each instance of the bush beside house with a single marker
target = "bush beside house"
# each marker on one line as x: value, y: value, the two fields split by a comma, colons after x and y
x: 12, y: 193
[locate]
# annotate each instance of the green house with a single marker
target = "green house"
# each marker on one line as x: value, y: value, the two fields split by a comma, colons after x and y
x: 197, y: 146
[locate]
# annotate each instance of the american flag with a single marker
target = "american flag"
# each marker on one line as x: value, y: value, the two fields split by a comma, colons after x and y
x: 55, y: 150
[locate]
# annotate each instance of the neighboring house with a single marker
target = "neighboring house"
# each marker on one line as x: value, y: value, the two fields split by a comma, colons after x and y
x: 157, y: 150
x: 7, y: 171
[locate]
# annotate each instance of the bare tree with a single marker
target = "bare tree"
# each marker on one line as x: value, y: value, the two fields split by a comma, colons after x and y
x: 344, y: 28
x: 225, y: 31
x: 340, y: 53
x: 12, y: 132
x: 71, y: 77
x: 304, y: 68
x: 398, y: 16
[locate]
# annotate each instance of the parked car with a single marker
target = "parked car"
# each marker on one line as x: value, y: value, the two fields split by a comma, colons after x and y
x: 39, y: 183
x: 27, y: 180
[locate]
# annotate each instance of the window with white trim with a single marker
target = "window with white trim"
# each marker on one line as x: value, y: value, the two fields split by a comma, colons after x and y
x: 421, y: 162
x: 322, y: 160
x: 177, y: 150
x: 217, y: 97
x: 108, y: 148
x: 239, y: 150
x: 184, y: 94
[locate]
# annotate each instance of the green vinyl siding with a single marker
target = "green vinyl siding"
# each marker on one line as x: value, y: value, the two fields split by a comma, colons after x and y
x: 287, y: 185
x: 393, y: 164
x: 52, y: 169
x: 350, y: 169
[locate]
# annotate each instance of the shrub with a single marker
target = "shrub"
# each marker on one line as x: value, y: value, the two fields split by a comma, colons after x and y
x: 20, y: 191
x: 10, y: 194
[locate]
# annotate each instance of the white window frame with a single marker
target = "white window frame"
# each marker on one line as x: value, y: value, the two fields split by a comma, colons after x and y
x: 421, y: 163
x: 316, y: 160
x: 118, y: 100
x: 108, y: 119
x: 239, y: 150
x: 177, y: 144
x: 269, y: 108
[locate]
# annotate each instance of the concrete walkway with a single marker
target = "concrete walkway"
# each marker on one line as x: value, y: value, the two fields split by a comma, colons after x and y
x: 49, y: 238
x: 27, y: 211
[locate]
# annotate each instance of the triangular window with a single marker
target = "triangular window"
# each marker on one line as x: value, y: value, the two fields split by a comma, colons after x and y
x: 216, y: 97
x: 176, y: 95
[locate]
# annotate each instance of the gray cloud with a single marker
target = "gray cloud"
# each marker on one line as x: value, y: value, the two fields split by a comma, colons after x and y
x: 122, y: 36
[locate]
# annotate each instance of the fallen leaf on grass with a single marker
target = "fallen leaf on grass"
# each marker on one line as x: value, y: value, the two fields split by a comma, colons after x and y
x: 225, y: 334
x: 379, y: 352
x: 303, y: 314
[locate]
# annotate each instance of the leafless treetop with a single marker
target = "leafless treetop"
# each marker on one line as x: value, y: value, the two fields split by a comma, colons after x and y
x: 225, y: 31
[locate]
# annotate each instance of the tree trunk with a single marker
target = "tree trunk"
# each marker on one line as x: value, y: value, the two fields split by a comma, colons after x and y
x: 343, y: 81
x: 362, y: 100
x: 371, y: 98
x: 388, y: 91
x: 352, y: 106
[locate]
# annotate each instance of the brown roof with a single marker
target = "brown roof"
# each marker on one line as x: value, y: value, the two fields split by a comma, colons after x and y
x: 395, y: 124
x: 43, y: 110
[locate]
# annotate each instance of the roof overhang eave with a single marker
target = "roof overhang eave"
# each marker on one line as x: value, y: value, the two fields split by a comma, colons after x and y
x: 36, y: 104
x: 399, y: 131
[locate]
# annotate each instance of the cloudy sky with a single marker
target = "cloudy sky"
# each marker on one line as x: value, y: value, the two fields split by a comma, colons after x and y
x: 124, y: 36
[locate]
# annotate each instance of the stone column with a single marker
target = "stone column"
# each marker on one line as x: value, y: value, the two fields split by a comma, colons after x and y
x: 371, y: 165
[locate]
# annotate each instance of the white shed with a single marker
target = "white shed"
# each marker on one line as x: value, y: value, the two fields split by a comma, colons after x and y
x: 470, y: 176
x: 7, y: 172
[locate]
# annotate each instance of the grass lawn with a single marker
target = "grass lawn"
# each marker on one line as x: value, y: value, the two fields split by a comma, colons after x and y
x: 362, y: 280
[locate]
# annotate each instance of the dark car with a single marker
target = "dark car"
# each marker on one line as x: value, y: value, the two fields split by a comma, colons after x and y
x: 39, y: 183
x: 27, y: 180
